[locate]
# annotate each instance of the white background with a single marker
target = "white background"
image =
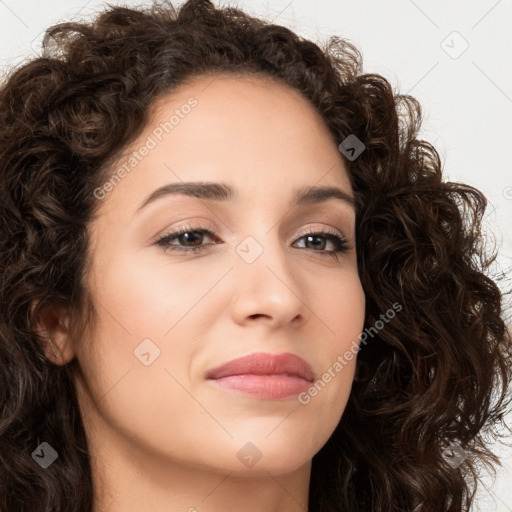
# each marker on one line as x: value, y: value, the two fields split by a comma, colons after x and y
x: 466, y: 95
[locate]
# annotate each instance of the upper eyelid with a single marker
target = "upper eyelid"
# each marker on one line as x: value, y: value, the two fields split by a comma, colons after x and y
x: 212, y: 233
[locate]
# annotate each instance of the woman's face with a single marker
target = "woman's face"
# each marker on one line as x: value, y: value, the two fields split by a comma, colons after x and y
x: 169, y: 315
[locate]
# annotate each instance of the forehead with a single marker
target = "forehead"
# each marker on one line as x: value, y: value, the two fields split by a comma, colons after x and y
x: 247, y: 100
x: 249, y: 131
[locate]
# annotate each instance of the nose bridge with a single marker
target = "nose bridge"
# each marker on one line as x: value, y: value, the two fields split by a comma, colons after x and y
x: 264, y: 275
x: 260, y: 247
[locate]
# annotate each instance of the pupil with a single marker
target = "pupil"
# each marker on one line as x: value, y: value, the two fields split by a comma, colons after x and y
x: 187, y: 236
x: 311, y: 237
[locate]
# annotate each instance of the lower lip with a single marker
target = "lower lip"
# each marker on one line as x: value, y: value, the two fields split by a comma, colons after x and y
x: 270, y: 387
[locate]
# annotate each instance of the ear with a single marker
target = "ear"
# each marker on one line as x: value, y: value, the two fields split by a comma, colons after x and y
x: 52, y: 324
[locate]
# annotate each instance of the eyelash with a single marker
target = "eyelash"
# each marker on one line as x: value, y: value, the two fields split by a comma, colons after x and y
x: 341, y: 243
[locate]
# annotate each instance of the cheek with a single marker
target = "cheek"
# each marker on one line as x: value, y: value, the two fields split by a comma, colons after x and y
x: 145, y: 298
x: 159, y: 296
x: 133, y: 372
x: 145, y: 308
x: 341, y: 307
x: 342, y: 314
x: 348, y: 327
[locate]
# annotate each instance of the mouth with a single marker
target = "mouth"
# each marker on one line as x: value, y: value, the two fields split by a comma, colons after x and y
x: 264, y: 375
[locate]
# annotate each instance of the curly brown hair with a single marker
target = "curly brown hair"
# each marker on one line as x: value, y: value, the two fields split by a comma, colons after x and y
x: 437, y: 374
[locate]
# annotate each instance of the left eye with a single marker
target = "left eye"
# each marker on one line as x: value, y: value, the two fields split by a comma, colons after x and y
x: 188, y: 235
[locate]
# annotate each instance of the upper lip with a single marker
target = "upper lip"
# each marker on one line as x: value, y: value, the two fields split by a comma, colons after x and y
x: 262, y: 363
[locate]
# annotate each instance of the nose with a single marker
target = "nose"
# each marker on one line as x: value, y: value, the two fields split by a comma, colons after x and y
x: 267, y: 288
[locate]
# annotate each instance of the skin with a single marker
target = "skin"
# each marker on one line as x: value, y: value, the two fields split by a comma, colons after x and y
x: 161, y: 436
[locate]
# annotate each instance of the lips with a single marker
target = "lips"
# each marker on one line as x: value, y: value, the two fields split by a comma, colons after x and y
x: 262, y: 363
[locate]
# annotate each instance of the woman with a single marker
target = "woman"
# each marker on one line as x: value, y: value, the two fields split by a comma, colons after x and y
x: 232, y: 278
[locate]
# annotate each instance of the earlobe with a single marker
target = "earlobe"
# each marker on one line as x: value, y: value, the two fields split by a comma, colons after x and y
x: 52, y: 325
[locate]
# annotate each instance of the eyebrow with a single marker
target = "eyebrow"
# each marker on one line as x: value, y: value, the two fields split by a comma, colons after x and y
x: 223, y: 192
